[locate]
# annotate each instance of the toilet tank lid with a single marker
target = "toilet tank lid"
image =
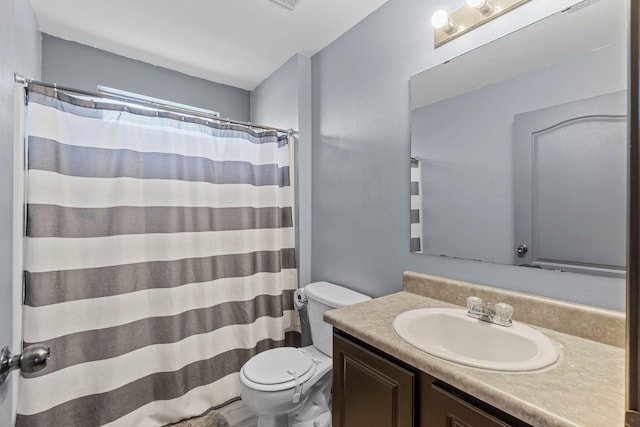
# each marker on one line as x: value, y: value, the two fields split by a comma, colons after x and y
x: 333, y: 295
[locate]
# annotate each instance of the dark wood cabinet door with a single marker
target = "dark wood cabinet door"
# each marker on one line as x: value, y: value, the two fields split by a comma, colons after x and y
x: 368, y: 390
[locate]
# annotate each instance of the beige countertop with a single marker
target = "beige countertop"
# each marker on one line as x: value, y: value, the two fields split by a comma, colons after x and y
x: 584, y: 388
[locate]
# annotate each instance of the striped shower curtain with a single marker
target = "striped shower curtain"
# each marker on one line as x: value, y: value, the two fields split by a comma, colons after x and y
x: 416, y: 205
x: 160, y: 257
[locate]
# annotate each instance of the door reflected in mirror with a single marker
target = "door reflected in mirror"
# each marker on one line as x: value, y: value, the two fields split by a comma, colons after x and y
x: 518, y: 148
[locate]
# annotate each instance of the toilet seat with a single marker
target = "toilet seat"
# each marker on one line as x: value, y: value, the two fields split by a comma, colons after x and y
x: 278, y: 369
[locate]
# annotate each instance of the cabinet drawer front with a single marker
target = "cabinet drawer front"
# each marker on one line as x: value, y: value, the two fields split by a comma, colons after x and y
x: 448, y: 410
x: 369, y: 390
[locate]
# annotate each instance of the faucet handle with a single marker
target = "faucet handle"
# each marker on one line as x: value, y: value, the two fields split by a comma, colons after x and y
x: 503, y: 311
x: 474, y: 302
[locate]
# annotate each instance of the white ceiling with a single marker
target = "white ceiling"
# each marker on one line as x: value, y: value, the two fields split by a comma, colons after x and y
x: 234, y: 42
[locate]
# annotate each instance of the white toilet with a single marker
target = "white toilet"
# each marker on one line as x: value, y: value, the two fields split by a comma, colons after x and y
x: 292, y: 386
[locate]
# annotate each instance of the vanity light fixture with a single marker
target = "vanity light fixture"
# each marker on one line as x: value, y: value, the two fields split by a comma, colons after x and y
x: 475, y: 13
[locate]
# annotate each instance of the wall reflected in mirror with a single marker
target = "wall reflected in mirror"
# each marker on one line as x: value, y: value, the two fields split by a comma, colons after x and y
x: 518, y: 148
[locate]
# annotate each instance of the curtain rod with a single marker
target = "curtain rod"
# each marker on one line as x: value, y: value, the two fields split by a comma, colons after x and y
x: 26, y: 81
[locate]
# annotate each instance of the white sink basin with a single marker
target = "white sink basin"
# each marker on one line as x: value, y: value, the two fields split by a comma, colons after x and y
x: 453, y: 335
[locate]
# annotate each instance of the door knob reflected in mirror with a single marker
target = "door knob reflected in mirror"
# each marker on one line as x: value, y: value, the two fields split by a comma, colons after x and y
x: 522, y: 250
x: 33, y: 359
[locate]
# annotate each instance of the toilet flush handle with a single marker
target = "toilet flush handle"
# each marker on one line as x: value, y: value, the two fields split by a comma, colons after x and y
x: 298, y: 390
x: 299, y: 299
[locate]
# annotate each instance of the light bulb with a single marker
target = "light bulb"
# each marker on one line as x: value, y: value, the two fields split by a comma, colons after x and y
x: 439, y: 19
x: 476, y: 3
x: 483, y: 6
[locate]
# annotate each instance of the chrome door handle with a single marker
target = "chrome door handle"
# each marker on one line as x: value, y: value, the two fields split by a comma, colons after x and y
x: 522, y: 250
x: 32, y: 359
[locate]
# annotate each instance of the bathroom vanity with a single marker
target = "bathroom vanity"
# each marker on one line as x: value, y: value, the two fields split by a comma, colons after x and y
x: 381, y: 380
x: 375, y: 388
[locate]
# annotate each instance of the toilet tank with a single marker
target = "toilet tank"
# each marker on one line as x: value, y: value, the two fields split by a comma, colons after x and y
x: 323, y: 296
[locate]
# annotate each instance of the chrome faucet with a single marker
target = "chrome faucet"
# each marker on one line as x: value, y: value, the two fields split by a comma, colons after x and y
x: 499, y: 314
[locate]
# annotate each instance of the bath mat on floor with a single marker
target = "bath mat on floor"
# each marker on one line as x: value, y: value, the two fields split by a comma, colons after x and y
x: 210, y: 419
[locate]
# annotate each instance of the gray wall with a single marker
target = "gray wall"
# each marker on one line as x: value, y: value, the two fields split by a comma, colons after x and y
x: 19, y: 52
x: 275, y: 100
x: 360, y: 228
x: 82, y: 67
x: 284, y: 100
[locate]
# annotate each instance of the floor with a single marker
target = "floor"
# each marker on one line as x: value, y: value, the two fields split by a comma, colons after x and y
x: 238, y: 415
x: 235, y: 414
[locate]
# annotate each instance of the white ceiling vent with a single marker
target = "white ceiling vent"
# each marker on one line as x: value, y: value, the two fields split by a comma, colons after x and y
x: 289, y: 4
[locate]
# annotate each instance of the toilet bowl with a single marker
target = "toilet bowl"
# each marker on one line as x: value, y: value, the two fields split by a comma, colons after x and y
x: 292, y: 386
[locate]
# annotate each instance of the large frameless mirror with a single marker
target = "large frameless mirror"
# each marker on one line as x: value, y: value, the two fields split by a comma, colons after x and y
x: 519, y: 148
